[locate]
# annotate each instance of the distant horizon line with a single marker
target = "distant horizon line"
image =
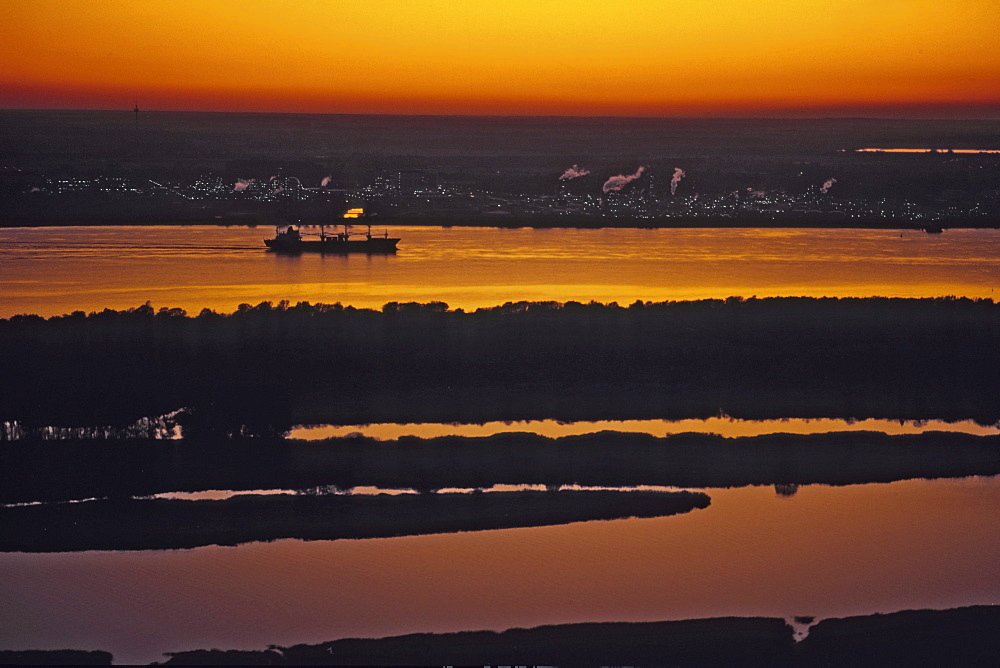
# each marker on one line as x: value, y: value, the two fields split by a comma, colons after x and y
x: 791, y: 116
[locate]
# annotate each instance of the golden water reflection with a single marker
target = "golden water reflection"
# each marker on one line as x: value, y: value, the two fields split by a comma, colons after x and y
x: 52, y: 271
x: 368, y: 490
x: 926, y: 150
x: 825, y: 551
x: 725, y: 426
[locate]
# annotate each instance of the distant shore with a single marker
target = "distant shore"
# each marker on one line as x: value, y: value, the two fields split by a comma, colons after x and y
x: 111, y: 219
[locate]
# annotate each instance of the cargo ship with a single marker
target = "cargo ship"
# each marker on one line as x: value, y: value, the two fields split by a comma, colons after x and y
x: 292, y: 240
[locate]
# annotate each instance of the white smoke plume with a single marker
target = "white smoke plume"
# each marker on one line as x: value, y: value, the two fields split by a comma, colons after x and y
x: 825, y: 188
x: 241, y: 185
x: 678, y: 175
x: 620, y: 181
x: 325, y: 182
x: 574, y: 172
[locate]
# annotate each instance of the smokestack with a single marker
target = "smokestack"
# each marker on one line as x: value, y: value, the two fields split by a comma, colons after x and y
x: 574, y: 172
x: 825, y: 188
x: 620, y: 181
x: 678, y: 175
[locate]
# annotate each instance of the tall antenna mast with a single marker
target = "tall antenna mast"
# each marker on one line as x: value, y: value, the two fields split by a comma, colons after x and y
x: 136, y: 110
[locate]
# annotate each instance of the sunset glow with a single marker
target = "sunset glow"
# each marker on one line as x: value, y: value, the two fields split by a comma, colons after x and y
x: 720, y: 57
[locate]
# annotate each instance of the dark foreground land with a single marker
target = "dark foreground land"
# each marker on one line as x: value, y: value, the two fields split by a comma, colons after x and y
x: 263, y: 369
x: 55, y: 657
x: 58, y: 471
x: 959, y: 637
x: 146, y: 524
x: 246, y: 378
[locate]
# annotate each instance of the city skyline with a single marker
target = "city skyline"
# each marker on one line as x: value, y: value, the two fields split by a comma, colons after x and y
x: 719, y: 58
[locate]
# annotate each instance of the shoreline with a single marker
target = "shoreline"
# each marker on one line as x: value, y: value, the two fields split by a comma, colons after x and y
x: 242, y: 376
x: 534, y: 222
x: 65, y: 471
x: 956, y: 636
x: 170, y: 524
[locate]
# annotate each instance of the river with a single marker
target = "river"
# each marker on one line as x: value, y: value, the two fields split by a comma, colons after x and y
x: 50, y: 271
x: 824, y: 551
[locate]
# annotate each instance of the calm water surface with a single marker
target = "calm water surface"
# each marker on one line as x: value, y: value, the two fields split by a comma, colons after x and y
x: 50, y: 271
x: 724, y: 426
x: 826, y: 551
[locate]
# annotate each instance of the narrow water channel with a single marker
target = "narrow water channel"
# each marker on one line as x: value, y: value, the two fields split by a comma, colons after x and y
x: 813, y: 551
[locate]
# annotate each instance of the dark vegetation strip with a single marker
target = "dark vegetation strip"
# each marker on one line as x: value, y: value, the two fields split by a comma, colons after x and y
x: 265, y: 368
x: 962, y: 636
x: 67, y: 470
x: 959, y: 637
x: 147, y: 524
x: 55, y: 657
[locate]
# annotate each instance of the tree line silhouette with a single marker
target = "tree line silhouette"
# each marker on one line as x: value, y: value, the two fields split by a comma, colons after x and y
x: 960, y: 636
x: 263, y: 368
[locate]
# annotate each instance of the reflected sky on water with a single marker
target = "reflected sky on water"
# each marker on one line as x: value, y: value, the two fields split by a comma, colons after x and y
x: 821, y: 551
x: 817, y: 551
x: 50, y: 271
x: 724, y: 426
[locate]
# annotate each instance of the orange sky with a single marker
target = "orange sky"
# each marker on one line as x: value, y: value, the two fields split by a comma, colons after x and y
x: 643, y: 57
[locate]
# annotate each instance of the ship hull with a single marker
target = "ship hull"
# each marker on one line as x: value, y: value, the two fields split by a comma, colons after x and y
x: 373, y: 246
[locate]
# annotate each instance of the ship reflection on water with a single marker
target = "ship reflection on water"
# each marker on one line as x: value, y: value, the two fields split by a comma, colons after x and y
x: 93, y: 268
x: 786, y: 550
